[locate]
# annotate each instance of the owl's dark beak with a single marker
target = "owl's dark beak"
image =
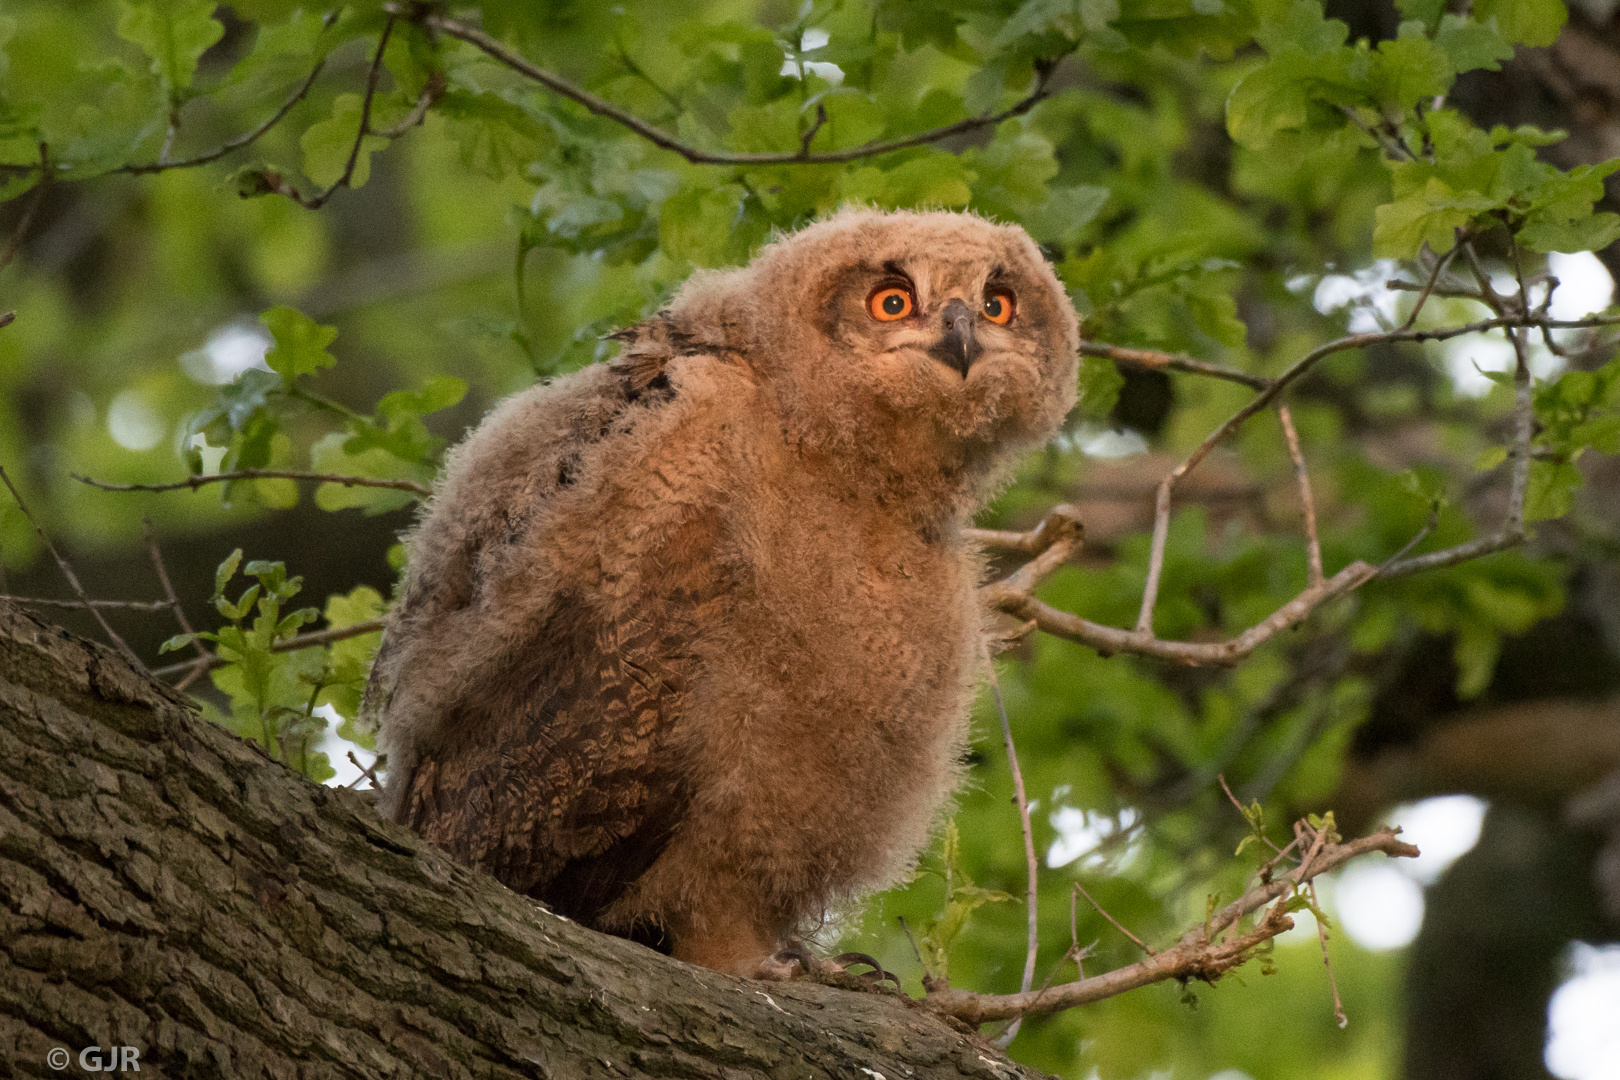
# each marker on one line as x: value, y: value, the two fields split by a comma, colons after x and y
x: 957, y: 347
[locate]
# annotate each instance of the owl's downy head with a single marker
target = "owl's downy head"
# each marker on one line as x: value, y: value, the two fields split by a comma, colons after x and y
x: 924, y: 346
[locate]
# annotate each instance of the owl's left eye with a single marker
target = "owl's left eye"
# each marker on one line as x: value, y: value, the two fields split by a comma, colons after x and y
x: 998, y: 307
x: 890, y: 303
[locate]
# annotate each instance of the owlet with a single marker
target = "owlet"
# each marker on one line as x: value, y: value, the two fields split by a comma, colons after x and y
x: 688, y: 639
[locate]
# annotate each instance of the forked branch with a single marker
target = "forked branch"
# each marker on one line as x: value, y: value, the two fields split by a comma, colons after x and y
x: 1057, y: 538
x: 1205, y: 952
x: 698, y: 156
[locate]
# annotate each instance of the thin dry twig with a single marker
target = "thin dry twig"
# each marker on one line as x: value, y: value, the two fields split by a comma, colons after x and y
x: 1144, y: 946
x: 14, y: 244
x: 240, y: 141
x: 1313, y: 546
x: 1014, y: 595
x: 1339, y: 1016
x: 302, y: 641
x: 195, y: 482
x: 430, y: 95
x: 120, y: 605
x: 1161, y: 519
x: 274, y: 182
x: 1198, y: 955
x: 367, y: 772
x: 658, y: 137
x: 1030, y: 860
x: 72, y: 578
x: 1154, y: 360
x: 1429, y: 286
x: 174, y: 600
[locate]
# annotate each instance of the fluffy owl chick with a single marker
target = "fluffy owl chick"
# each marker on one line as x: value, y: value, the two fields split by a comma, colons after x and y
x: 687, y: 641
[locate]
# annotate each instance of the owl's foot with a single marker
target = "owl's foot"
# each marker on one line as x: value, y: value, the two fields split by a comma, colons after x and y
x: 794, y: 961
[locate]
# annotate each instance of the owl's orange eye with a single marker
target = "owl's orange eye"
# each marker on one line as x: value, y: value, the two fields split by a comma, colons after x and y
x: 890, y: 303
x: 998, y: 307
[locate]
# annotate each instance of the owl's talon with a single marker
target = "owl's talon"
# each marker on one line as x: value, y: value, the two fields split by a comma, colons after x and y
x: 791, y: 961
x: 876, y: 975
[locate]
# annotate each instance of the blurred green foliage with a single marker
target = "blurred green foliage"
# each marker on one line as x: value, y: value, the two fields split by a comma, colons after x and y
x: 1194, y: 169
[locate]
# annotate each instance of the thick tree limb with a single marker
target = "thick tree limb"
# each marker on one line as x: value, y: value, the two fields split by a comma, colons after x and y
x: 163, y: 885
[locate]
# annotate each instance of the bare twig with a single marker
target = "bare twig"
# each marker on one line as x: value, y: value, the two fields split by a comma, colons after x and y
x: 1313, y: 546
x: 72, y: 578
x: 1428, y: 527
x: 810, y: 133
x: 1031, y: 862
x: 1339, y: 1016
x: 1144, y: 946
x: 1198, y: 955
x: 122, y: 605
x: 1154, y: 360
x: 1454, y: 292
x: 237, y: 143
x: 562, y: 87
x: 1511, y: 533
x: 1428, y: 286
x: 1062, y: 523
x: 1109, y: 640
x: 302, y: 641
x: 14, y: 244
x: 195, y: 482
x: 1161, y: 519
x: 174, y: 601
x: 275, y: 183
x: 367, y: 772
x: 425, y: 101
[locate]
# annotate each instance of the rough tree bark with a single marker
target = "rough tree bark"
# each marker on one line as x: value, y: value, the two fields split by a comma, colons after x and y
x: 165, y: 886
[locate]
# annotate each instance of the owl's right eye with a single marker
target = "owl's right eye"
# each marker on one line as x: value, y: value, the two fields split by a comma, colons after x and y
x: 890, y: 303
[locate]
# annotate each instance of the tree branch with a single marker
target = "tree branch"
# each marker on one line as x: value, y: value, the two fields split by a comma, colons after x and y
x: 274, y: 182
x: 1154, y: 360
x: 1031, y: 862
x: 163, y: 872
x: 77, y: 605
x: 292, y: 644
x: 14, y: 243
x: 1199, y: 954
x: 72, y: 578
x: 240, y: 141
x: 1313, y: 546
x: 658, y: 137
x: 195, y: 482
x: 174, y: 601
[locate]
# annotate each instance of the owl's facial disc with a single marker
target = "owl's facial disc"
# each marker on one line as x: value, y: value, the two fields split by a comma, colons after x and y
x: 957, y: 346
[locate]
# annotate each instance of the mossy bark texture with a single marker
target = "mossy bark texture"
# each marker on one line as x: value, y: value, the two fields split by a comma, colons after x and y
x: 165, y: 886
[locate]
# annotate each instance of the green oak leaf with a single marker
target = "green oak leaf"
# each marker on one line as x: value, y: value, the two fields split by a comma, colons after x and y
x: 1526, y: 22
x: 300, y: 343
x: 174, y: 33
x: 328, y: 144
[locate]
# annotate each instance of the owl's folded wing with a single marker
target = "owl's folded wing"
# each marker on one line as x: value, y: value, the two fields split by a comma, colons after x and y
x: 566, y: 793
